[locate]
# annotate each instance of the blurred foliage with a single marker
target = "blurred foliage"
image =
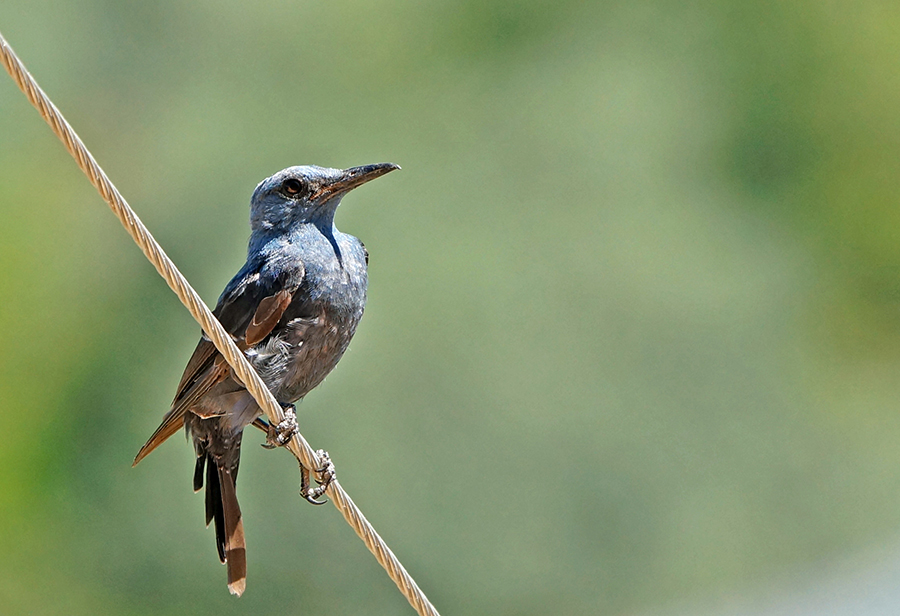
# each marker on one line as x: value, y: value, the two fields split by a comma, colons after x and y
x: 633, y: 329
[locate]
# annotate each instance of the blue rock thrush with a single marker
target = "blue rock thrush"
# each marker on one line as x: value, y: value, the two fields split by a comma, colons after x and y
x: 292, y: 309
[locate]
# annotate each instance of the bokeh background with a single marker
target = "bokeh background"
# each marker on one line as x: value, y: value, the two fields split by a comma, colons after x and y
x: 633, y: 336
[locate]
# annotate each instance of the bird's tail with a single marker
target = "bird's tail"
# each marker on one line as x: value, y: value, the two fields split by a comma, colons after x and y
x: 222, y: 508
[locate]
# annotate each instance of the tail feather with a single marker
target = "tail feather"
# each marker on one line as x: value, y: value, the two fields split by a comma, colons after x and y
x: 223, y: 509
x: 235, y: 546
x: 218, y: 459
x: 214, y: 507
x: 198, y: 473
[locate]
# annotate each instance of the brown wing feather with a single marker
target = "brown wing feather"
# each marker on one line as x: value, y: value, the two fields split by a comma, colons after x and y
x: 266, y: 317
x: 171, y: 424
x: 189, y: 390
x: 200, y: 360
x: 206, y: 368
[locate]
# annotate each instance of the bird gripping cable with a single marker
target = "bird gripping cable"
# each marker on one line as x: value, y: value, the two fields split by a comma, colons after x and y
x: 298, y: 446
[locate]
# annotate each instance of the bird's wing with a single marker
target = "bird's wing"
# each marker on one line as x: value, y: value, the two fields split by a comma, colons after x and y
x: 249, y: 309
x: 266, y: 317
x: 196, y: 381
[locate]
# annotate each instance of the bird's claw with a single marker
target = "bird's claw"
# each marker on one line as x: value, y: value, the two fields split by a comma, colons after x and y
x: 281, y: 435
x: 327, y: 473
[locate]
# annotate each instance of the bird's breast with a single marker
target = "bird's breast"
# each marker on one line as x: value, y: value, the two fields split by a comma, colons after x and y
x: 317, y: 326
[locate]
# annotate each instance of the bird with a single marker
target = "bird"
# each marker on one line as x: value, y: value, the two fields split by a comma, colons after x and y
x: 292, y: 309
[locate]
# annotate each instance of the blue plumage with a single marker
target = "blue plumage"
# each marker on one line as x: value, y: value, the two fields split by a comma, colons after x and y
x: 293, y: 308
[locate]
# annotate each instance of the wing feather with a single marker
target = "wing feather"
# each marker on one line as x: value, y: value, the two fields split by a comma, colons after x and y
x: 249, y: 309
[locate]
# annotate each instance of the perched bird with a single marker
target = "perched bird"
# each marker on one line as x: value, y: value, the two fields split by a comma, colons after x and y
x: 292, y: 309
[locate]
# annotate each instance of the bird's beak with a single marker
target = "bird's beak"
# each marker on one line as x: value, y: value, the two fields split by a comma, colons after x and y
x: 351, y: 178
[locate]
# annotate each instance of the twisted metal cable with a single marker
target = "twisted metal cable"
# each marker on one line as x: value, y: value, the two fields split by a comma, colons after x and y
x: 192, y: 301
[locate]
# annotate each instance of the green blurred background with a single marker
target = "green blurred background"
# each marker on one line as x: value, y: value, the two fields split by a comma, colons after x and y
x: 633, y: 333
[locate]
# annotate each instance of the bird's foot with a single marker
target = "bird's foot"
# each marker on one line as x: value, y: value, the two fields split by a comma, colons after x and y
x: 281, y: 435
x: 327, y: 473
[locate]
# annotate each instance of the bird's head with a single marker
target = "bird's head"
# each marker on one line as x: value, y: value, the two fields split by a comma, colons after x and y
x: 306, y: 194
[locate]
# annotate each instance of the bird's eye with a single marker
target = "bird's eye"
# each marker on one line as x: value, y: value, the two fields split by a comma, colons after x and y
x: 292, y: 187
